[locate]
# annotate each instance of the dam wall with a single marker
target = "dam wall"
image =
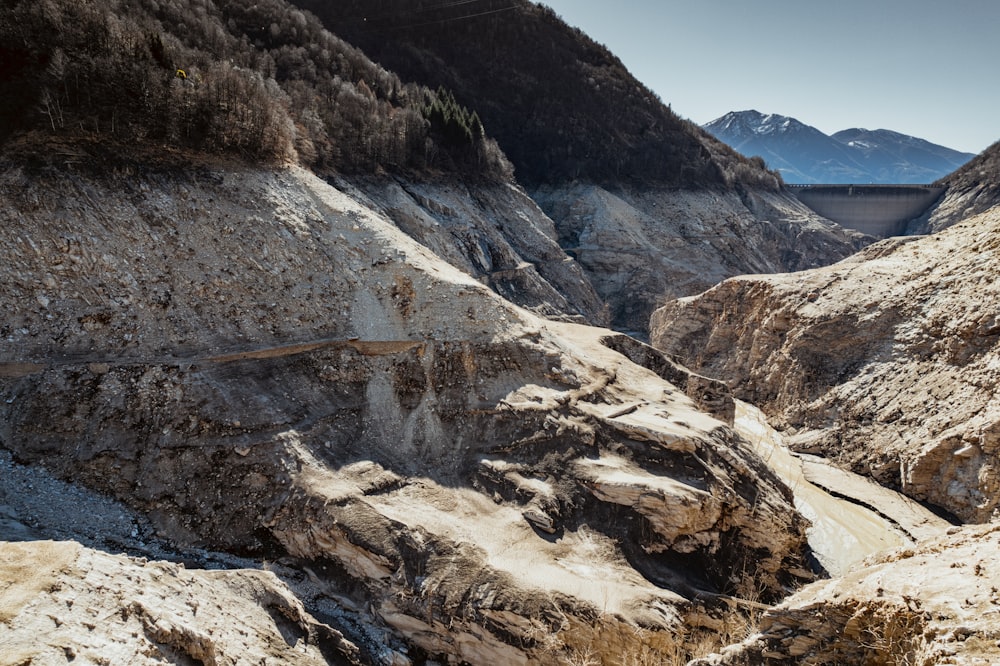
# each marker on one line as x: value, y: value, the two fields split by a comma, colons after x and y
x: 877, y: 210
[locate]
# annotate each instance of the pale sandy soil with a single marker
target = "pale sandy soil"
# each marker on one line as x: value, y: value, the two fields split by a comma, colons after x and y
x: 843, y: 532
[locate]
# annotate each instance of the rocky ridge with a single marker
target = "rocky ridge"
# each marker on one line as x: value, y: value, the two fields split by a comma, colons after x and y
x: 886, y: 362
x: 62, y: 603
x: 261, y: 365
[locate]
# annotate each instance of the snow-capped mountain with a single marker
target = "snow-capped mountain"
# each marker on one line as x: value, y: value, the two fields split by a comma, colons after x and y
x: 900, y: 157
x: 803, y: 154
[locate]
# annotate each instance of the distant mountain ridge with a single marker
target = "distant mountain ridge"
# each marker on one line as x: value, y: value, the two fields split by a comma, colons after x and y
x: 804, y: 154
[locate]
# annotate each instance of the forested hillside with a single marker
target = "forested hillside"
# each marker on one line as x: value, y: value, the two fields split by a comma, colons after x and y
x: 261, y: 80
x: 561, y: 105
x: 265, y: 81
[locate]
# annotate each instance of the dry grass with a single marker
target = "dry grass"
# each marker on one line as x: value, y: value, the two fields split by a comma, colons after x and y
x: 892, y: 637
x: 658, y: 648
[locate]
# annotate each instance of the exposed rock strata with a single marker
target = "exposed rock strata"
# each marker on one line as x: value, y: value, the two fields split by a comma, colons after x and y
x: 887, y: 362
x: 262, y: 365
x: 852, y: 517
x: 937, y: 603
x: 641, y: 248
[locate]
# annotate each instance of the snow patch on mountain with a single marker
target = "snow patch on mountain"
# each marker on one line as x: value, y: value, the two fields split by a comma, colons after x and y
x: 804, y: 154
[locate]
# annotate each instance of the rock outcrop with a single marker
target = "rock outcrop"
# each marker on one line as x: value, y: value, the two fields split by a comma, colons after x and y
x: 851, y: 516
x: 62, y: 603
x: 937, y: 603
x: 886, y: 362
x: 606, y: 258
x: 259, y: 364
x: 644, y: 247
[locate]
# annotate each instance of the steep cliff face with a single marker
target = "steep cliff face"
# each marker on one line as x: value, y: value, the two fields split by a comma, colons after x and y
x: 258, y: 363
x: 643, y: 247
x: 886, y: 362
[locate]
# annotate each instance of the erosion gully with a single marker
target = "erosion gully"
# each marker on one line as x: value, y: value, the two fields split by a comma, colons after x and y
x: 852, y: 517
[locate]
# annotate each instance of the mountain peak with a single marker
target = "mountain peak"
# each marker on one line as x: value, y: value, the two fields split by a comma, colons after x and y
x: 754, y: 123
x: 804, y: 154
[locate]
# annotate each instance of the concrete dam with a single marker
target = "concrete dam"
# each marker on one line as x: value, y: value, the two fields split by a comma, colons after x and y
x: 877, y: 210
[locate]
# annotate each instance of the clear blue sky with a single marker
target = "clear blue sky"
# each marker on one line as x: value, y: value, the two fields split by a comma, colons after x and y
x: 928, y: 69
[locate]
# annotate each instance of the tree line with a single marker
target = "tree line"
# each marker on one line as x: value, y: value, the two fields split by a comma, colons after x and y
x: 561, y: 105
x: 262, y: 80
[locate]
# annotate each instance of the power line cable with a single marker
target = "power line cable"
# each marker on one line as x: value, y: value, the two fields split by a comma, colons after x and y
x: 449, y: 20
x: 409, y: 12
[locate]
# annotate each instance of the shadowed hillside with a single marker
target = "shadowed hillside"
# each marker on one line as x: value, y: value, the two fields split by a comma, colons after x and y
x: 261, y: 80
x: 561, y: 105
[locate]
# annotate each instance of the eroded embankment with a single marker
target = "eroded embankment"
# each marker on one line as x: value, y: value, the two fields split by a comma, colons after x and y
x: 886, y: 363
x: 261, y: 365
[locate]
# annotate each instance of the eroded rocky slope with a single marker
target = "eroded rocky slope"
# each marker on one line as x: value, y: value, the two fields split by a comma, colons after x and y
x: 973, y: 189
x: 258, y: 364
x: 643, y: 247
x: 887, y: 362
x: 651, y: 206
x: 493, y: 232
x: 938, y: 603
x: 62, y: 603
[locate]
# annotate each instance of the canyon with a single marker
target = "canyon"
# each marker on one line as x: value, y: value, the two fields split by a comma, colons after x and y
x: 883, y: 364
x: 302, y: 362
x: 258, y: 366
x: 849, y: 357
x: 386, y: 459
